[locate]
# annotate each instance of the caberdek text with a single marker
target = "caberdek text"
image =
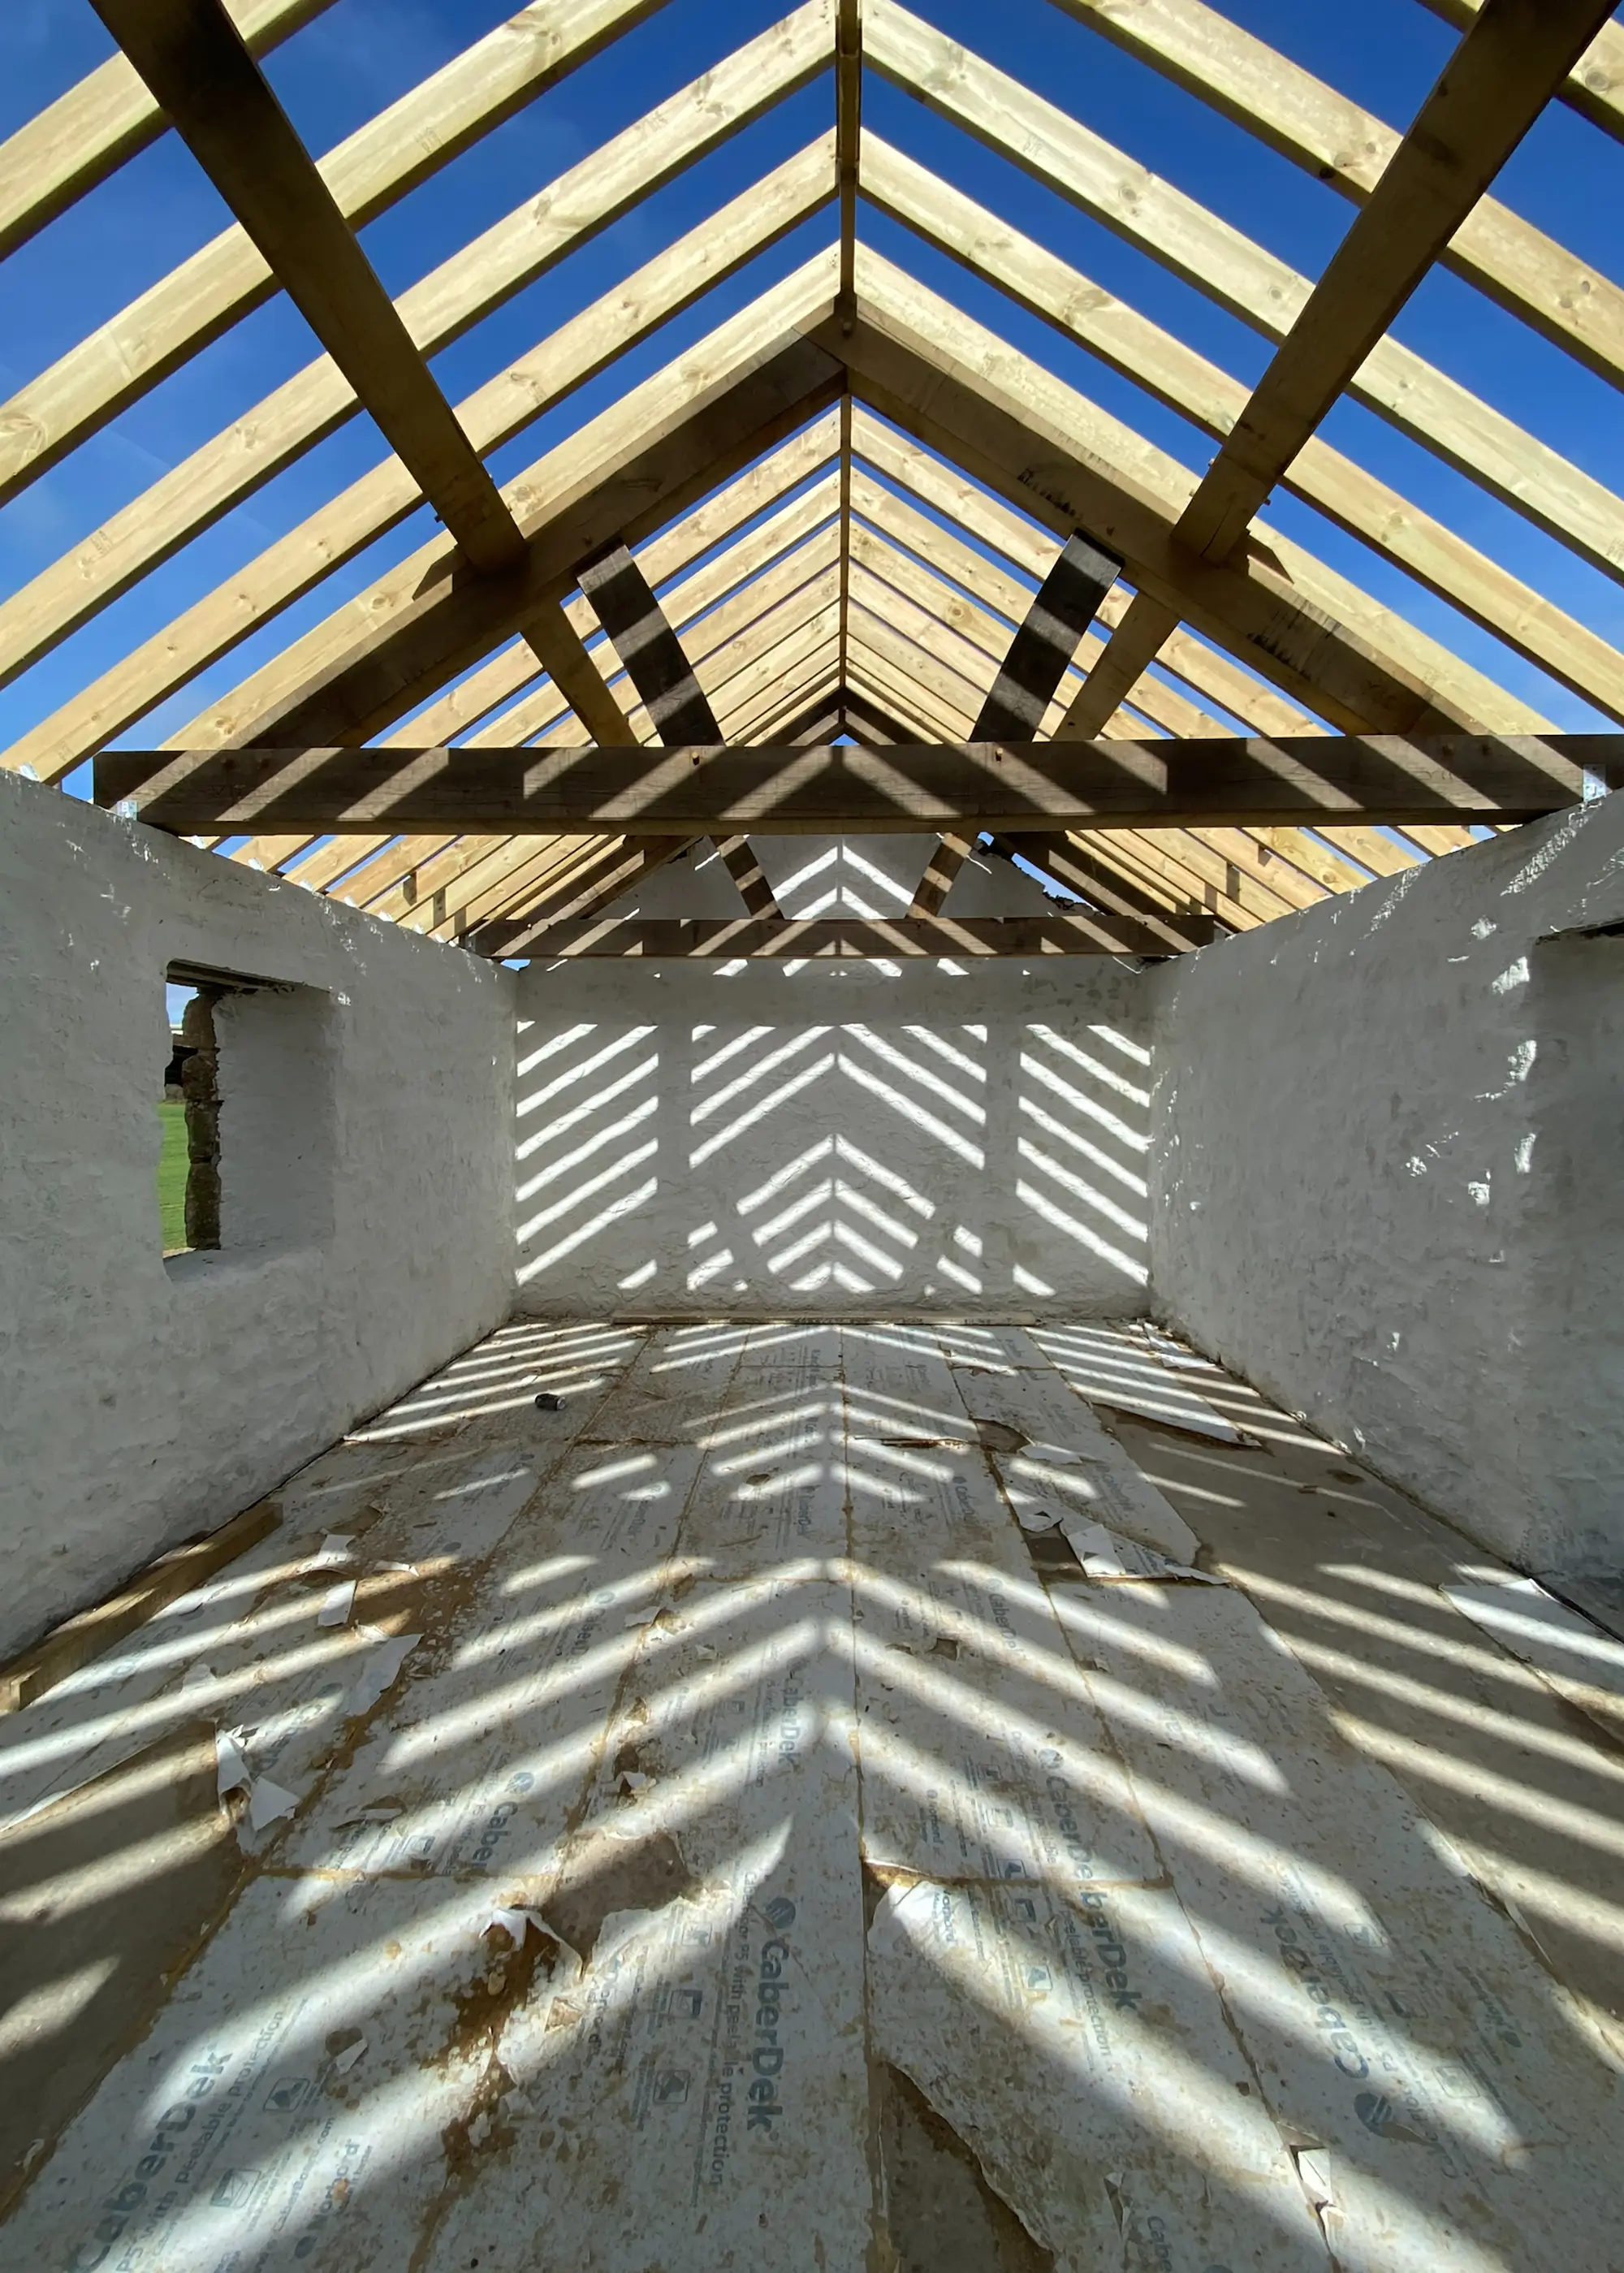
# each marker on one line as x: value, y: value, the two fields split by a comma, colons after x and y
x: 767, y: 2057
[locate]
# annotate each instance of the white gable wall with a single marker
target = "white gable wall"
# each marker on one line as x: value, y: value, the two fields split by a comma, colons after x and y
x: 836, y: 1136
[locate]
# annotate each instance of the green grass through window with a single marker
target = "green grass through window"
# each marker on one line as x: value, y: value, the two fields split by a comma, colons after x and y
x: 172, y: 1177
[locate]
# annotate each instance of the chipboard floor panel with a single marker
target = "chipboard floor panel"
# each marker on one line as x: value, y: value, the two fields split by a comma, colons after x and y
x: 682, y: 1804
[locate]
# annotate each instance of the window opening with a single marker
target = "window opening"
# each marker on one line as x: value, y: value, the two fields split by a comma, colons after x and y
x: 189, y: 1159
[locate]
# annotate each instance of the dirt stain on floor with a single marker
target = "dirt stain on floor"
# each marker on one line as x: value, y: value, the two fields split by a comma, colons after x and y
x: 941, y: 2216
x: 603, y: 1874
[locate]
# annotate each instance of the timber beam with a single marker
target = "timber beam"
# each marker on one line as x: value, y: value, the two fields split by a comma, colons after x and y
x: 706, y: 791
x: 726, y: 938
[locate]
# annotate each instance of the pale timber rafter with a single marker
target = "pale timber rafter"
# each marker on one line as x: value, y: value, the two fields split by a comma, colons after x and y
x: 940, y: 554
x: 65, y: 149
x: 1188, y: 383
x: 966, y: 393
x: 1179, y: 234
x: 492, y: 688
x: 383, y: 497
x: 459, y: 293
x: 219, y: 102
x: 962, y: 391
x: 680, y: 434
x: 1347, y: 148
x: 752, y: 497
x: 1491, y: 90
x: 454, y: 861
x: 939, y: 706
x: 366, y: 173
x: 840, y: 606
x: 1276, y: 847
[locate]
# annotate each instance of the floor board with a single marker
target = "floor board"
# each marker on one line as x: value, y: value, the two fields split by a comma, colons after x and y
x: 728, y: 1829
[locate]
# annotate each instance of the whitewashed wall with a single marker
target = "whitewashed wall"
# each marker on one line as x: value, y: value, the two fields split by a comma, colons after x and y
x: 838, y: 1137
x: 1388, y: 1179
x: 367, y: 1203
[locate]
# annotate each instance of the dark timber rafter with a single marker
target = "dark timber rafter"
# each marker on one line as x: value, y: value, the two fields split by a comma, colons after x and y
x: 678, y: 709
x: 1033, y: 667
x: 624, y: 604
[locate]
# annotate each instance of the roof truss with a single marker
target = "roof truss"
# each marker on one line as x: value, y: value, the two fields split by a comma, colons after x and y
x: 827, y: 518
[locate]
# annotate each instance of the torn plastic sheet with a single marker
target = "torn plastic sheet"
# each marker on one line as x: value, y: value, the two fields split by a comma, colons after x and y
x: 379, y: 1669
x: 1581, y: 1662
x: 269, y: 1802
x: 1103, y: 1556
x: 905, y: 1915
x: 1129, y: 2132
x: 336, y: 1605
x: 334, y: 1551
x: 1178, y: 1354
x: 232, y: 1772
x: 1111, y: 1490
x: 515, y: 1924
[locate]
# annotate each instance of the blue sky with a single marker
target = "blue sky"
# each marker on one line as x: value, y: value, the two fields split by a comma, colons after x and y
x: 1568, y: 178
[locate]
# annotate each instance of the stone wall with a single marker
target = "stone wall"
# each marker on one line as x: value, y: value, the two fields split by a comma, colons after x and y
x: 1388, y: 1178
x: 365, y: 1199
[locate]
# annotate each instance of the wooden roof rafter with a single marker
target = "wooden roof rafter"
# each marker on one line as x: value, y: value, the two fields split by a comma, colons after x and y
x: 843, y: 610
